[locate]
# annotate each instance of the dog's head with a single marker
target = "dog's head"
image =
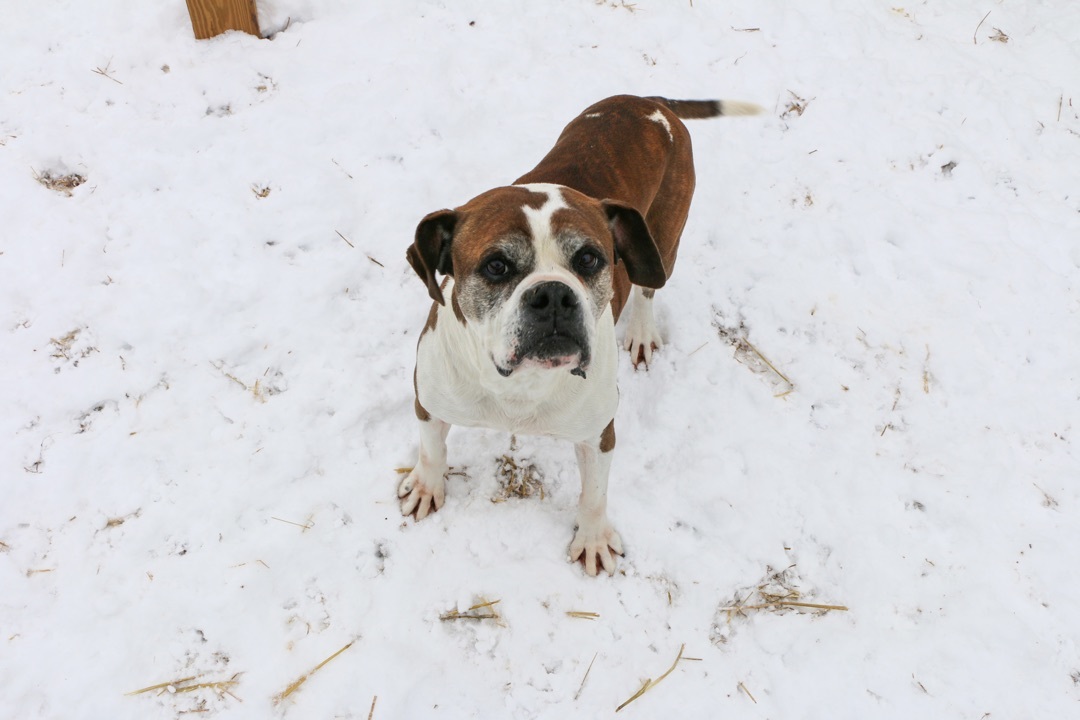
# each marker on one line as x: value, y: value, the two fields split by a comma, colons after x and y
x: 532, y: 268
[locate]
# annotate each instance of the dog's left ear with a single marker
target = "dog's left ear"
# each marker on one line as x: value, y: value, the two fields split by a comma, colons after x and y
x: 430, y: 251
x: 634, y: 245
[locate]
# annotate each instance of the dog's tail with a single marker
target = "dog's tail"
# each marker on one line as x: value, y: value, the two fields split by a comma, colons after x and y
x: 701, y: 109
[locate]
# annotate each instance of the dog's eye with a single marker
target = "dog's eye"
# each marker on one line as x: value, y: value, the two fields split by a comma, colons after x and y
x: 496, y: 269
x: 587, y: 262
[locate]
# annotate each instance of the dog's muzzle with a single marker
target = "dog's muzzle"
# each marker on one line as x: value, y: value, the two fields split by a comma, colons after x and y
x: 552, y: 332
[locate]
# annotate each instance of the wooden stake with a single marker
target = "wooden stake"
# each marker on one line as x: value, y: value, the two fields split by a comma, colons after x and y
x: 213, y: 17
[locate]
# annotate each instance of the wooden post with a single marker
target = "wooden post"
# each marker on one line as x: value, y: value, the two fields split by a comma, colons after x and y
x: 213, y: 17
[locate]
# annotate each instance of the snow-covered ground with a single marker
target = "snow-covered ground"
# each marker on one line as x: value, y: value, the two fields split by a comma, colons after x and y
x: 207, y: 352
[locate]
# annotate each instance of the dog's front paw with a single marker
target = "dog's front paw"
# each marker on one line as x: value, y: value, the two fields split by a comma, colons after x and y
x: 596, y: 541
x: 422, y: 492
x: 641, y: 352
x: 642, y: 339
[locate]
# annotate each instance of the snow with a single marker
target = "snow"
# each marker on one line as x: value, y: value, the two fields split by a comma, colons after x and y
x: 207, y: 389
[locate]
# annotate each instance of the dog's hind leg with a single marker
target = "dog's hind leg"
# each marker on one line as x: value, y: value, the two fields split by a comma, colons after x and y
x: 666, y: 219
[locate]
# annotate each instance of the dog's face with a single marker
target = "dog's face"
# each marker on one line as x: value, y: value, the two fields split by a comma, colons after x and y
x: 532, y: 268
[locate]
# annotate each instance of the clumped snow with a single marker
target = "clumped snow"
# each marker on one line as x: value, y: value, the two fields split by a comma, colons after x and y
x: 208, y: 342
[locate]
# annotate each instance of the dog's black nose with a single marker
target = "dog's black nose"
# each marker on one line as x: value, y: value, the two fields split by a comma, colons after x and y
x: 550, y: 302
x: 553, y: 326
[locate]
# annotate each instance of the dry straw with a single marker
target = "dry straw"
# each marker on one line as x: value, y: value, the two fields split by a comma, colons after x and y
x: 517, y: 480
x: 481, y: 611
x: 747, y: 354
x: 776, y: 592
x: 295, y: 684
x: 60, y: 183
x: 649, y: 684
x: 586, y: 677
x: 185, y: 685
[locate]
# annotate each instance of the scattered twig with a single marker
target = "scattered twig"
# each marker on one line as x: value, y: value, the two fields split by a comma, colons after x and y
x: 452, y: 472
x: 517, y: 480
x: 748, y: 693
x: 787, y: 603
x: 974, y: 35
x: 582, y: 615
x: 1061, y: 99
x: 796, y: 106
x: 587, y: 671
x: 1048, y: 499
x: 766, y: 361
x: 375, y: 261
x: 926, y: 372
x: 303, y: 678
x: 745, y: 29
x: 221, y: 686
x: 698, y: 348
x: 60, y: 183
x: 371, y: 712
x: 306, y: 525
x: 748, y: 355
x: 104, y: 72
x: 649, y: 684
x: 345, y: 239
x: 162, y: 686
x: 220, y: 367
x: 342, y: 169
x: 474, y: 613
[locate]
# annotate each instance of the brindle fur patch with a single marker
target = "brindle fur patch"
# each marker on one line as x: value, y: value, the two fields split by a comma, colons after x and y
x: 432, y: 318
x: 607, y: 438
x: 421, y: 413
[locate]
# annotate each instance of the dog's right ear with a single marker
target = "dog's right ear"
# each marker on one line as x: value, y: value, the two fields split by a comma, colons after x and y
x: 430, y: 251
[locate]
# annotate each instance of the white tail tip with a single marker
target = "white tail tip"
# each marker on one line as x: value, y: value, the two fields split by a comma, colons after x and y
x: 729, y: 108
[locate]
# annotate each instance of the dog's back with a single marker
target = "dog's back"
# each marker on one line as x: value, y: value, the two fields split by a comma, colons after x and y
x: 636, y: 151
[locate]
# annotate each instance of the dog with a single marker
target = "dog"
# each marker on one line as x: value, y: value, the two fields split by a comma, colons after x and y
x: 521, y: 332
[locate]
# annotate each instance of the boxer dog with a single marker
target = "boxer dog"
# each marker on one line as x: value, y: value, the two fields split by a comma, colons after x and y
x: 521, y: 332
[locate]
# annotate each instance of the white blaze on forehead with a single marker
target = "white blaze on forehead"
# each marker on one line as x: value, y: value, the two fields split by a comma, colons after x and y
x: 539, y: 219
x: 658, y: 117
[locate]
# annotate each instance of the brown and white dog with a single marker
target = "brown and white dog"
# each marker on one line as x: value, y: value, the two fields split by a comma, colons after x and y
x: 521, y: 333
